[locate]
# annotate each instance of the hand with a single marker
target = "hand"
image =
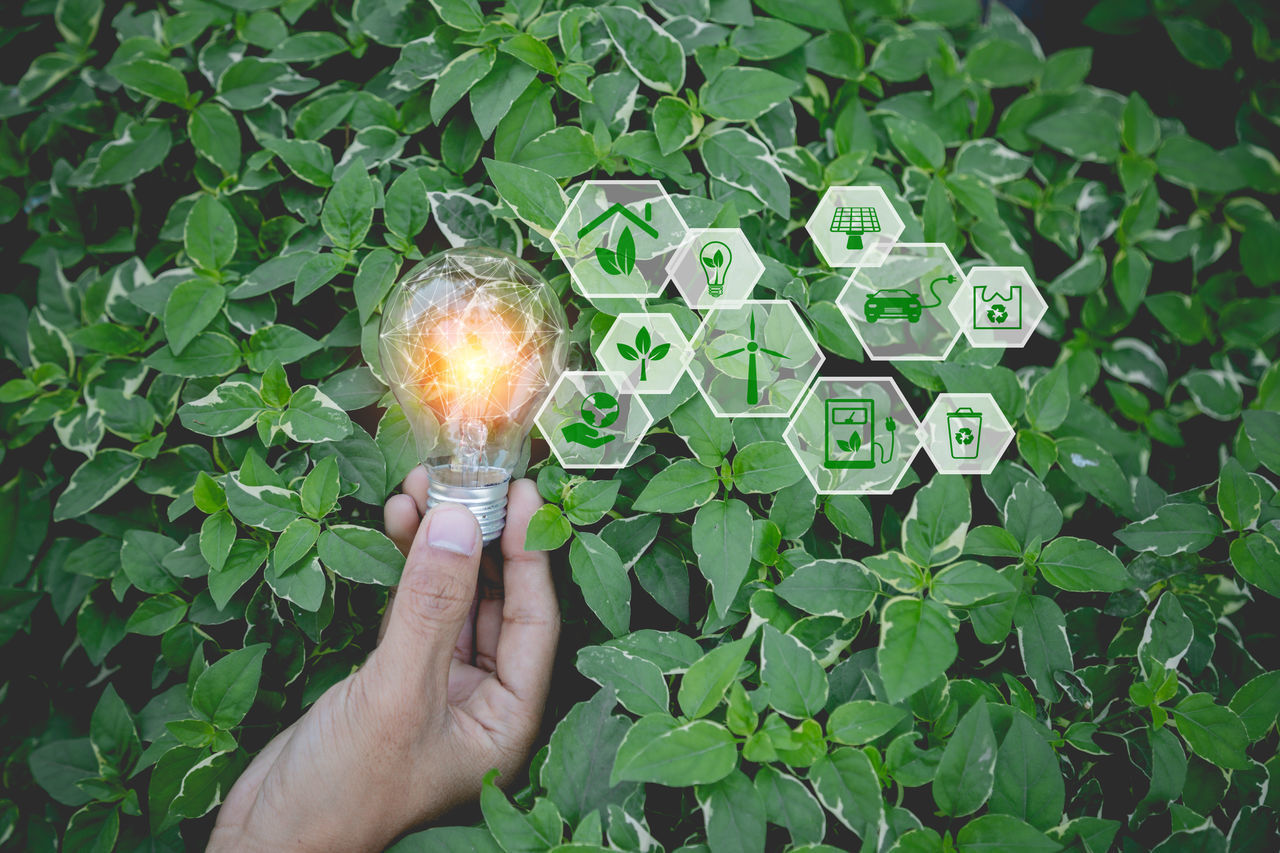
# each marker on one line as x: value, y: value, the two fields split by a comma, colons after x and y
x: 455, y: 687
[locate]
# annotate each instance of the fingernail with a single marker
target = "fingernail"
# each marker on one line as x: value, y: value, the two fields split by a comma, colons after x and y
x: 452, y: 529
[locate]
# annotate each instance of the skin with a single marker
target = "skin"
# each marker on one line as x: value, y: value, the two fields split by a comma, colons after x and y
x: 455, y: 687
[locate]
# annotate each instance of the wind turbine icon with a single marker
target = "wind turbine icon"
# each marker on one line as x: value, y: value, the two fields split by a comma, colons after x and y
x: 752, y: 347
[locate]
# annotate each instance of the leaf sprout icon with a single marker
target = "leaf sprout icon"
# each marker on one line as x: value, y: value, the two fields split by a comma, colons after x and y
x: 644, y: 351
x: 715, y: 259
x: 752, y: 347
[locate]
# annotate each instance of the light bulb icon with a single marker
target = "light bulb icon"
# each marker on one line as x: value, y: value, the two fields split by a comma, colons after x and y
x: 714, y: 258
x: 471, y: 342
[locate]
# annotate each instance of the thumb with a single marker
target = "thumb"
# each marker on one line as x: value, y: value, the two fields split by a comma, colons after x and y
x: 432, y: 602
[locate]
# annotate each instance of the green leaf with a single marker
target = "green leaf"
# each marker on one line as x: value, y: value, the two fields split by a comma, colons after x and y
x: 294, y: 542
x: 580, y: 758
x: 348, y: 208
x: 217, y: 535
x: 1255, y: 556
x: 407, y: 208
x: 462, y: 73
x: 548, y: 529
x: 1084, y: 133
x: 917, y: 142
x: 252, y: 82
x: 841, y: 588
x: 231, y: 407
x: 722, y: 541
x: 649, y: 51
x: 1080, y: 565
x: 533, y: 196
x: 191, y: 307
x: 1175, y: 528
x: 320, y: 488
x: 1000, y: 62
x: 1028, y: 781
x: 1213, y: 732
x: 156, y: 614
x: 1042, y: 641
x: 1004, y: 833
x: 1190, y: 163
x: 209, y: 235
x: 639, y: 683
x: 94, y: 481
x: 660, y: 749
x: 243, y: 561
x: 796, y: 683
x: 1200, y: 44
x: 917, y: 644
x: 744, y: 162
x: 140, y: 148
x: 966, y: 773
x: 586, y: 503
x: 306, y: 158
x: 765, y: 467
x: 1166, y: 638
x: 683, y: 485
x: 216, y: 136
x: 360, y: 554
x: 1257, y: 704
x: 154, y: 79
x: 1049, y: 399
x: 675, y: 123
x: 733, y: 812
x: 599, y: 573
x: 704, y: 684
x: 1141, y: 128
x: 225, y: 691
x: 967, y: 583
x: 862, y: 721
x: 744, y: 94
x: 112, y: 732
x: 1095, y: 471
x: 846, y: 784
x: 497, y: 91
x: 57, y: 767
x: 934, y: 530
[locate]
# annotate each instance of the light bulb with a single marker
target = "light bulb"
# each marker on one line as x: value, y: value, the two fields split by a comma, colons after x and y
x: 715, y: 258
x: 471, y: 342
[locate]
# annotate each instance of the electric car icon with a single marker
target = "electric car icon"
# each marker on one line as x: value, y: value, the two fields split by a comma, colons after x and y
x: 893, y: 304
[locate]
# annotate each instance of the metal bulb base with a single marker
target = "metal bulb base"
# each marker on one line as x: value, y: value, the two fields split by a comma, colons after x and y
x: 482, y: 490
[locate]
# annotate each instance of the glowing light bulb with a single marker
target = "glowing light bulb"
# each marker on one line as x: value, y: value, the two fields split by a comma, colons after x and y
x: 471, y: 341
x: 715, y: 258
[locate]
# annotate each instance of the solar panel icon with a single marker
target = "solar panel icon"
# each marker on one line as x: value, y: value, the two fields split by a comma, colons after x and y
x: 854, y: 222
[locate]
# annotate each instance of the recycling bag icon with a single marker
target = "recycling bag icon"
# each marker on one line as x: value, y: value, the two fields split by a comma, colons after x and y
x: 964, y: 426
x: 993, y: 309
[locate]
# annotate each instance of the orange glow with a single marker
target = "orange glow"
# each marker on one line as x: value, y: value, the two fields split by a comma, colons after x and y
x: 462, y: 364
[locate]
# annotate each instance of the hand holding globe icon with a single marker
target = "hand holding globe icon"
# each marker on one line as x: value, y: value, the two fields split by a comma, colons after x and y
x: 599, y: 411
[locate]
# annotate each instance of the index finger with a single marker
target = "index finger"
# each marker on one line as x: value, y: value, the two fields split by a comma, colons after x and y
x: 530, y: 611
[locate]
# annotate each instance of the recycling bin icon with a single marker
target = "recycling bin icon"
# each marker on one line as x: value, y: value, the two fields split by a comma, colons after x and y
x: 964, y: 425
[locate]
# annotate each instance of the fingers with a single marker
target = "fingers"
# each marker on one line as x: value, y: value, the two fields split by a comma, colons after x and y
x: 415, y: 486
x: 400, y: 515
x: 432, y: 602
x: 526, y: 645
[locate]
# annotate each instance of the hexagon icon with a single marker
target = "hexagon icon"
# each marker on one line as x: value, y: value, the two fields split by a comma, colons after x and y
x: 965, y: 433
x: 617, y: 236
x: 854, y: 226
x: 591, y: 420
x: 648, y: 350
x: 754, y: 360
x: 714, y: 267
x: 854, y: 435
x: 901, y: 309
x: 998, y: 307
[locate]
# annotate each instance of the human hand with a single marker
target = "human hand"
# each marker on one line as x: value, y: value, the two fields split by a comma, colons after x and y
x: 455, y: 687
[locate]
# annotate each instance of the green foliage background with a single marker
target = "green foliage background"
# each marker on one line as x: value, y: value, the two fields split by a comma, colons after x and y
x: 206, y: 204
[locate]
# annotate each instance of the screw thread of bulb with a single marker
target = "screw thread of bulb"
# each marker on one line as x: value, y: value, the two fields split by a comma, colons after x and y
x: 485, y: 495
